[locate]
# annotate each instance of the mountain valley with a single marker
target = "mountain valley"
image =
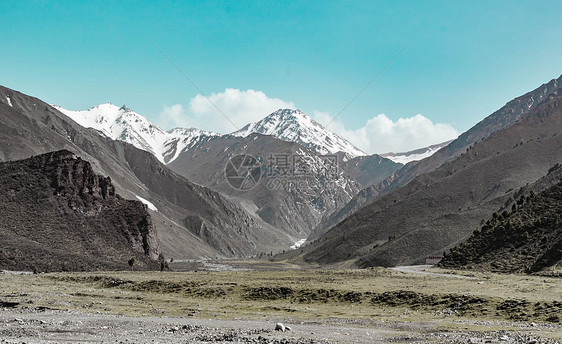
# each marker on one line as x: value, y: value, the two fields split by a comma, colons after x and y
x: 309, y: 184
x: 273, y: 172
x: 202, y: 156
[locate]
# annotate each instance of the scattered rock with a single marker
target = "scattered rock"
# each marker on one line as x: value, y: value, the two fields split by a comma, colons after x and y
x: 280, y: 327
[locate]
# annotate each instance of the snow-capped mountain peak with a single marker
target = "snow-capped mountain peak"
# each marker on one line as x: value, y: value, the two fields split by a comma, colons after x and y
x: 122, y: 123
x: 295, y: 126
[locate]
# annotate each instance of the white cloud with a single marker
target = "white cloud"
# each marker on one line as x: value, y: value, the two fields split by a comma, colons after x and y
x: 240, y: 107
x: 382, y: 135
x: 173, y: 117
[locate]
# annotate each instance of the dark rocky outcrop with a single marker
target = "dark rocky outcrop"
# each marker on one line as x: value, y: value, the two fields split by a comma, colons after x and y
x: 57, y: 214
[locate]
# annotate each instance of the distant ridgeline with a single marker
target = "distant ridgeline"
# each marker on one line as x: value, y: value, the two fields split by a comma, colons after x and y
x: 527, y: 238
x: 58, y: 215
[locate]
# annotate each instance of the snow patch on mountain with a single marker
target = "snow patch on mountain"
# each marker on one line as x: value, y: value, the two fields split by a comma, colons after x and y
x: 121, y: 123
x: 415, y: 155
x: 298, y: 244
x: 295, y: 126
x: 9, y: 101
x: 148, y: 203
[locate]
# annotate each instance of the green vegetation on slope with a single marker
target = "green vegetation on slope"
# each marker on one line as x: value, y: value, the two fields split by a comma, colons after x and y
x: 526, y: 239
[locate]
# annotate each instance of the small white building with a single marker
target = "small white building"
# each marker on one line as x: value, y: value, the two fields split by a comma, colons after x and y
x: 432, y: 260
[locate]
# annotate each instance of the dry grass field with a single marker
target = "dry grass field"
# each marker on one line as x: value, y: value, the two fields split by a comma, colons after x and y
x: 456, y: 301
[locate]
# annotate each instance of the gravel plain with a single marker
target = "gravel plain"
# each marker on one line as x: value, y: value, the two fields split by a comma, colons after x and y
x: 31, y: 326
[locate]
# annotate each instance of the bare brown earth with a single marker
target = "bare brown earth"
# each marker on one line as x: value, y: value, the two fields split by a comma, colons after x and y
x: 321, y: 306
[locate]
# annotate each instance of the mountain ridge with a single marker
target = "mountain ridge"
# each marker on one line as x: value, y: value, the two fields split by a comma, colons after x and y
x: 513, y: 111
x: 121, y: 123
x: 291, y: 125
x: 291, y: 201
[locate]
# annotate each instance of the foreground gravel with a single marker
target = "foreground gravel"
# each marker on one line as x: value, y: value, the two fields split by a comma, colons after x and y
x: 29, y: 326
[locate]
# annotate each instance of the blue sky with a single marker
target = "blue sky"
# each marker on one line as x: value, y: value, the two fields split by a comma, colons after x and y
x: 466, y: 59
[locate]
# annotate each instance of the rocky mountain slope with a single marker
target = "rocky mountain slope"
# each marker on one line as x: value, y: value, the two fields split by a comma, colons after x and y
x: 439, y: 209
x: 295, y: 126
x: 524, y: 237
x: 294, y: 185
x: 287, y: 125
x: 369, y: 169
x: 191, y: 222
x: 121, y: 123
x: 57, y: 214
x: 509, y: 114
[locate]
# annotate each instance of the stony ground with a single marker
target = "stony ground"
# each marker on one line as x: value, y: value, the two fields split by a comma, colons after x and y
x: 346, y: 306
x: 47, y: 326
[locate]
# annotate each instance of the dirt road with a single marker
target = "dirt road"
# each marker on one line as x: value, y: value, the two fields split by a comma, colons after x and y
x: 422, y: 269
